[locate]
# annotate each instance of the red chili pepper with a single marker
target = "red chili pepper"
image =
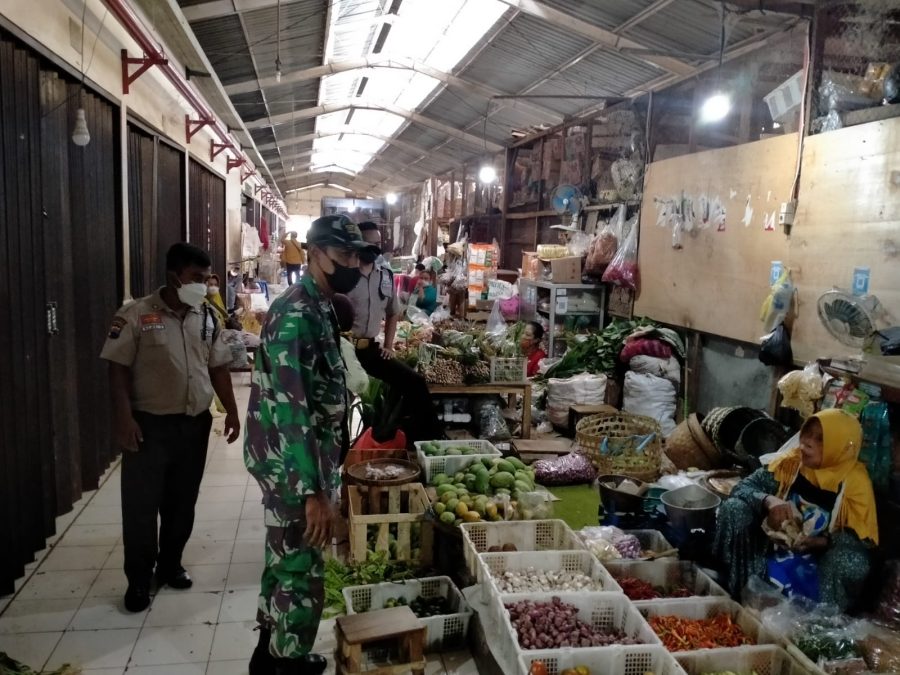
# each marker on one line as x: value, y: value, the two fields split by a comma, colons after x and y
x: 680, y: 634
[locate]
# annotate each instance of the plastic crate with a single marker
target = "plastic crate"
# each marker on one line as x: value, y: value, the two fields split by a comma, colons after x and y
x: 447, y: 631
x: 605, y: 611
x: 509, y: 369
x: 626, y: 660
x: 706, y: 608
x: 762, y: 660
x: 525, y: 535
x: 432, y: 466
x: 651, y: 540
x: 667, y: 573
x: 494, y: 564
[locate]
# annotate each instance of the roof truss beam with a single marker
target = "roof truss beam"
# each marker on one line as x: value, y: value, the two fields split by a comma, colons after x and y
x: 345, y: 130
x: 217, y: 8
x: 596, y: 34
x: 358, y: 104
x: 385, y: 61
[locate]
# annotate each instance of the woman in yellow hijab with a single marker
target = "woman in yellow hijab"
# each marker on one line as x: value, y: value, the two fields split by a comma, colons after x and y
x: 817, y: 501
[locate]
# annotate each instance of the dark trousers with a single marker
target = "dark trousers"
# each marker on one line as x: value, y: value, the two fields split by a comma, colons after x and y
x: 420, y: 419
x: 161, y: 479
x: 293, y: 273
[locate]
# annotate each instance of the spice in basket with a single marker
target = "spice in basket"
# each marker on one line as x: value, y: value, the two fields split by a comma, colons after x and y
x: 679, y: 634
x: 638, y: 589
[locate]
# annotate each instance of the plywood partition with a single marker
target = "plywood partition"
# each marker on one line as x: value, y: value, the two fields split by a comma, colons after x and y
x: 719, y: 278
x: 848, y: 216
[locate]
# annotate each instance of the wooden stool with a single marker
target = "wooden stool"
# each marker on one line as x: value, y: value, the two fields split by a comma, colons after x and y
x: 354, y: 631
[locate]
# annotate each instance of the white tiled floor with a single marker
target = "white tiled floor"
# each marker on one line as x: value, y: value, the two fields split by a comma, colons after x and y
x: 68, y: 608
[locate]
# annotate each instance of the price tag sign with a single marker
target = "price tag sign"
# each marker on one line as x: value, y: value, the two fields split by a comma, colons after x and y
x: 860, y: 281
x: 562, y: 302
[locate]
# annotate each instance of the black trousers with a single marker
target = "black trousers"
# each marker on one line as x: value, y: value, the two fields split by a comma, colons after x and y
x: 161, y: 479
x: 420, y: 419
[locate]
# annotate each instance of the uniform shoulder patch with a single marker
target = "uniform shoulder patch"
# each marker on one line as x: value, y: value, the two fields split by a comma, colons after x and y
x: 115, y: 328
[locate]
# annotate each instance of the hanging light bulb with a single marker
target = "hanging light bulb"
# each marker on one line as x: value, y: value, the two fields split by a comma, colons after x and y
x: 80, y: 134
x: 487, y: 174
x: 278, y: 70
x: 715, y: 108
x: 391, y: 198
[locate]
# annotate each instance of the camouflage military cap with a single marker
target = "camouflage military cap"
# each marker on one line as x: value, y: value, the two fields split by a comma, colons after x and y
x: 337, y: 231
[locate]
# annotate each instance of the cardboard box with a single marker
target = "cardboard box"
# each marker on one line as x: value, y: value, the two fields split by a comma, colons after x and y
x: 530, y: 268
x: 566, y: 270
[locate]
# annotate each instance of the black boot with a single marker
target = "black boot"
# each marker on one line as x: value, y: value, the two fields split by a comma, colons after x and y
x: 310, y: 664
x: 262, y: 662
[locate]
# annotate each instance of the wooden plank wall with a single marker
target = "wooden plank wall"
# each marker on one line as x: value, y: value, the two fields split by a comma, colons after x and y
x: 848, y: 216
x: 718, y: 280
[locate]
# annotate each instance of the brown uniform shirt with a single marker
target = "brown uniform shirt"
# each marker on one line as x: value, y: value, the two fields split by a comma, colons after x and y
x: 169, y: 357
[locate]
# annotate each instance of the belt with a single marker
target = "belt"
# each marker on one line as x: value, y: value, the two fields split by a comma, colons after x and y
x: 361, y: 343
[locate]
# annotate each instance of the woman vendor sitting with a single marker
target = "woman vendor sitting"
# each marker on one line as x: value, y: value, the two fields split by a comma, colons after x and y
x: 530, y: 343
x: 426, y: 292
x: 819, y: 497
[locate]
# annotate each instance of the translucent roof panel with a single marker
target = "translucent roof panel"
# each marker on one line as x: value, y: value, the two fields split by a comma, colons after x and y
x: 437, y: 34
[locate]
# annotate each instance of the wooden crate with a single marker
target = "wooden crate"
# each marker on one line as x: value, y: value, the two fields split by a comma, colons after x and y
x: 382, y: 507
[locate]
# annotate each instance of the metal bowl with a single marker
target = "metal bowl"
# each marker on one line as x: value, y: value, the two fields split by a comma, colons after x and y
x: 691, y: 508
x: 616, y: 501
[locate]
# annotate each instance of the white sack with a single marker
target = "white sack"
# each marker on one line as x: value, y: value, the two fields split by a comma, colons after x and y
x: 651, y: 396
x: 581, y: 389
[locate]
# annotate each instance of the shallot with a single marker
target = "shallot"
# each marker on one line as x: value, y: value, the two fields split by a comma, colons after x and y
x: 555, y: 624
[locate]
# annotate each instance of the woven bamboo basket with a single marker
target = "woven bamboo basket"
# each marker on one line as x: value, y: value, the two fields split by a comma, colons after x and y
x: 643, y: 464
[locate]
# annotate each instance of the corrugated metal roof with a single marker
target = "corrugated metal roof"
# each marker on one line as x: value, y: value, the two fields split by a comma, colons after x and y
x: 302, y: 34
x: 609, y: 14
x: 525, y: 51
x: 226, y: 48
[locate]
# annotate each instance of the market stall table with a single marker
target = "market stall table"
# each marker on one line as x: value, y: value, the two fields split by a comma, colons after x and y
x: 509, y: 389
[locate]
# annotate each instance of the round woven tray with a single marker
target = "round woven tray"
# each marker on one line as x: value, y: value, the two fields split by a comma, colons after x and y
x: 695, y: 423
x: 357, y: 472
x: 684, y: 450
x: 590, y: 432
x: 727, y: 426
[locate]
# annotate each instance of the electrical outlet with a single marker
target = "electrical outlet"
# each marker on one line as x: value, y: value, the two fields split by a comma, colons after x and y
x: 786, y: 213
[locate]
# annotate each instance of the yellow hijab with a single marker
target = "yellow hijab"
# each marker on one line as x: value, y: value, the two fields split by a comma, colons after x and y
x: 840, y: 472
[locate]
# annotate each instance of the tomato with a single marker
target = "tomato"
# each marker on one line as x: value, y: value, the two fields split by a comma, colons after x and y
x: 538, y: 668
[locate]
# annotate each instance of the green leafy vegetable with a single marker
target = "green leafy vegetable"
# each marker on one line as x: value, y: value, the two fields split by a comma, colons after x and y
x: 376, y: 569
x: 595, y: 352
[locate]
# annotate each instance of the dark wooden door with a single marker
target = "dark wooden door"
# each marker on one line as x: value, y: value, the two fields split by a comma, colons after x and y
x: 206, y: 219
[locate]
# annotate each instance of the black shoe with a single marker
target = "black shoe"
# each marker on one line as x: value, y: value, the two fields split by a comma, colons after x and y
x: 262, y: 662
x: 137, y: 598
x: 310, y: 664
x: 178, y: 579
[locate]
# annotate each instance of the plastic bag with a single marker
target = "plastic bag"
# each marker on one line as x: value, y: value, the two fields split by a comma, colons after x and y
x: 496, y: 328
x: 881, y: 650
x: 537, y: 505
x: 440, y: 314
x: 602, y: 251
x: 801, y: 389
x: 623, y: 270
x: 777, y: 304
x: 888, y: 609
x: 492, y: 425
x: 760, y: 595
x: 571, y: 469
x: 775, y: 348
x: 611, y: 543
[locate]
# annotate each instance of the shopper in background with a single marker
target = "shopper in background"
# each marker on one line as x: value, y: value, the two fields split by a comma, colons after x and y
x: 530, y: 344
x: 374, y: 300
x: 293, y: 257
x: 167, y: 359
x: 293, y: 446
x: 825, y: 491
x: 426, y: 291
x: 214, y: 297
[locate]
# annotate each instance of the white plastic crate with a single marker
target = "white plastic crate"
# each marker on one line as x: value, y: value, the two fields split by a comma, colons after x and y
x: 667, y: 573
x: 625, y: 660
x: 525, y: 535
x: 651, y: 540
x: 762, y: 660
x: 605, y: 611
x: 495, y: 564
x: 432, y: 466
x: 446, y: 631
x: 706, y: 608
x: 509, y: 369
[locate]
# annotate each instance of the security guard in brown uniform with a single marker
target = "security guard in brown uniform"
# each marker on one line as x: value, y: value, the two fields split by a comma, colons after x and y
x: 166, y: 358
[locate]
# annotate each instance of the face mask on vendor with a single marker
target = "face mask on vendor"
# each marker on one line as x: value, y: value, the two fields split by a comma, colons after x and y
x: 370, y: 255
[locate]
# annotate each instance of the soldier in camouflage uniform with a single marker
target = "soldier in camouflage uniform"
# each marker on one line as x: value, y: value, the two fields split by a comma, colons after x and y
x: 293, y: 446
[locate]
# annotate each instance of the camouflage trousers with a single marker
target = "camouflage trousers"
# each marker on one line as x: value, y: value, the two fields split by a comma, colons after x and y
x: 292, y: 591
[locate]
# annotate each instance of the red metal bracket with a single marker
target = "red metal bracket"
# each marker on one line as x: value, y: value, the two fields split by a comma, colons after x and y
x: 257, y: 188
x: 192, y: 127
x: 246, y: 173
x: 216, y: 148
x: 144, y: 64
x: 234, y: 164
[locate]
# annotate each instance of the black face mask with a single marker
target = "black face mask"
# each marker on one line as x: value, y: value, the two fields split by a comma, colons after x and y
x: 369, y: 256
x: 343, y: 279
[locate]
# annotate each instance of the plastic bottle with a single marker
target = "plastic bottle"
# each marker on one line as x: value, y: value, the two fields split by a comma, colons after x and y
x: 876, y: 449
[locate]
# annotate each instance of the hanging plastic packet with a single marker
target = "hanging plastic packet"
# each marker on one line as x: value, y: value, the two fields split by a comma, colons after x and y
x: 777, y: 305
